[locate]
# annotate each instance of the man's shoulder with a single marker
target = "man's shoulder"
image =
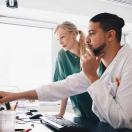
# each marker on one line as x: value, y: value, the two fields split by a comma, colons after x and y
x: 126, y: 51
x: 126, y: 55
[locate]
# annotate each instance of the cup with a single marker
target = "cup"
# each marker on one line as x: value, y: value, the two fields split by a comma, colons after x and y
x: 7, y: 121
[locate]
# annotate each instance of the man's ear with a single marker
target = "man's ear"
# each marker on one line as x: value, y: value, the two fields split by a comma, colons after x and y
x: 111, y: 35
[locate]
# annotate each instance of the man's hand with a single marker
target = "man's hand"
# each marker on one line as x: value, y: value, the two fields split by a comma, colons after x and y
x: 6, y: 97
x: 90, y: 63
x: 9, y: 96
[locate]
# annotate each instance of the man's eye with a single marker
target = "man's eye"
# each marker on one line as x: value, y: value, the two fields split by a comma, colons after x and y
x: 62, y: 37
x: 90, y: 34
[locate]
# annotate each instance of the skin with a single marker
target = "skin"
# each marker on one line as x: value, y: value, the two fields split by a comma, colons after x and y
x: 95, y: 38
x: 8, y: 96
x: 67, y: 41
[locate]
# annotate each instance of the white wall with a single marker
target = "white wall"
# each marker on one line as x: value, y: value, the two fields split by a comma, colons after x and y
x: 56, y: 11
x: 77, y: 7
x: 129, y: 38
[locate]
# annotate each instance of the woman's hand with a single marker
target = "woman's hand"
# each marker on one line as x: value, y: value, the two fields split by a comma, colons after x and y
x: 59, y: 116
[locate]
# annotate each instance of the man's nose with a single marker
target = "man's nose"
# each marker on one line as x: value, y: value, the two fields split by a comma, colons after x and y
x: 88, y: 39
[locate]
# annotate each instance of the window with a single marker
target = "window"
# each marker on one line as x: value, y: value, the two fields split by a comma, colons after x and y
x: 25, y: 56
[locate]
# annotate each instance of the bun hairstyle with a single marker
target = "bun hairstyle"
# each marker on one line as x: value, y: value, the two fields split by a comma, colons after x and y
x: 110, y: 21
x: 70, y: 27
x: 121, y: 22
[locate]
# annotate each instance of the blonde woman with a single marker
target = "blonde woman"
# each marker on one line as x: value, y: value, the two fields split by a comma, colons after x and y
x: 67, y: 63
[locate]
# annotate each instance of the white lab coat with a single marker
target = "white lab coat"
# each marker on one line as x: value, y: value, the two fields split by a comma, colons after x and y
x: 111, y: 104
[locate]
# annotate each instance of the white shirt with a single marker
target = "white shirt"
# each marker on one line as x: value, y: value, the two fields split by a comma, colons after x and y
x: 111, y: 104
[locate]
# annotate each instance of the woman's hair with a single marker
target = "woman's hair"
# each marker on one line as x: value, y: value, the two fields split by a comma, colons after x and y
x: 70, y: 27
x: 110, y: 21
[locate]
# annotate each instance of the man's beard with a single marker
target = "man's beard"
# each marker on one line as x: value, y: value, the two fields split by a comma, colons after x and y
x: 98, y: 50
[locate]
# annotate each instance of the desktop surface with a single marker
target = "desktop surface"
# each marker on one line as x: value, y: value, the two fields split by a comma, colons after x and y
x: 37, y: 126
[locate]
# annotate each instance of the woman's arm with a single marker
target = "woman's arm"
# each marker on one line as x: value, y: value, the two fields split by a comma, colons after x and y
x: 62, y: 107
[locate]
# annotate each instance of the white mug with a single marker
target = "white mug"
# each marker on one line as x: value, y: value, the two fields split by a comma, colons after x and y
x: 7, y: 121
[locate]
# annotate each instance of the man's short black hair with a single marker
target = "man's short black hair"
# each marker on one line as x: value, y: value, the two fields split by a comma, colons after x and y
x: 110, y: 21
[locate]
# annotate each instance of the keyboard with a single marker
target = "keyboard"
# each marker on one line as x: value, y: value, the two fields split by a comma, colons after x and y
x: 57, y: 123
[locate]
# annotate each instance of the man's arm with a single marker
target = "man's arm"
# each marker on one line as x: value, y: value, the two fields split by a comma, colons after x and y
x: 9, y: 96
x: 74, y: 84
x: 112, y: 101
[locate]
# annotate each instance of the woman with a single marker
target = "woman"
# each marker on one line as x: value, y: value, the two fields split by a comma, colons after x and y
x: 68, y: 62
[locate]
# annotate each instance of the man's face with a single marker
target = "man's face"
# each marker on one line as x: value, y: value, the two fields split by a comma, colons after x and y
x: 96, y: 37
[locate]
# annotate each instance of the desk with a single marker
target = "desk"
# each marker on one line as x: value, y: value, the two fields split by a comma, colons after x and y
x: 36, y: 126
x: 98, y: 127
x: 24, y: 106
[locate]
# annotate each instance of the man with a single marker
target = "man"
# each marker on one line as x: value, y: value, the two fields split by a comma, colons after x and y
x: 112, y: 93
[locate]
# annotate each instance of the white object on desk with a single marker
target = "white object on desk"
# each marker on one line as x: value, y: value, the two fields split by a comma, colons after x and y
x: 7, y: 121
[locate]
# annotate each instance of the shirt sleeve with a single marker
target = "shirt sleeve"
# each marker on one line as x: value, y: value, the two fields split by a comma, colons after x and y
x: 59, y: 70
x: 72, y: 85
x: 115, y: 106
